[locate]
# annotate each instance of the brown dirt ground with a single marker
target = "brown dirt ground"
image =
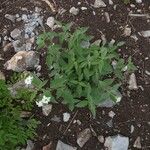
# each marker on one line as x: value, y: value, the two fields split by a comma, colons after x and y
x: 133, y: 110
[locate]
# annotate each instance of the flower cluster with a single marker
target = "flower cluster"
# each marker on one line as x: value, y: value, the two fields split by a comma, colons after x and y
x: 28, y: 80
x: 45, y: 100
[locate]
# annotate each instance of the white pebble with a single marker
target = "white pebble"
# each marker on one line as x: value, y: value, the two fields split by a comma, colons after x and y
x: 66, y: 117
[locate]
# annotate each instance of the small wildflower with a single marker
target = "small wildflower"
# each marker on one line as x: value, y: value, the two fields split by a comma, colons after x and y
x: 28, y: 80
x: 125, y: 68
x: 118, y: 99
x: 45, y: 100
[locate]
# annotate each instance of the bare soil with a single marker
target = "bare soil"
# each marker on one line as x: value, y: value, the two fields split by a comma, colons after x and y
x: 132, y: 110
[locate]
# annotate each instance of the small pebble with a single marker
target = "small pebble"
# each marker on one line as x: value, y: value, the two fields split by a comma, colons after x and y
x: 66, y: 117
x: 74, y: 11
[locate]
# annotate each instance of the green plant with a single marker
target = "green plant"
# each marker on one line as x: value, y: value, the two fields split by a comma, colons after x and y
x: 14, y: 130
x: 82, y: 76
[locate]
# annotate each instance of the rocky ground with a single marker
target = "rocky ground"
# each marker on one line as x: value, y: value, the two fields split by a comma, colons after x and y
x: 120, y: 127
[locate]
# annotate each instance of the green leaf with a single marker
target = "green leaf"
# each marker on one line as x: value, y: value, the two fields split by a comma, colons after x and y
x: 68, y: 99
x: 92, y: 106
x: 82, y: 104
x: 57, y: 82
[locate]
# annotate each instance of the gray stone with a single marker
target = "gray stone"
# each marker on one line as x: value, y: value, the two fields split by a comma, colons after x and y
x: 132, y: 129
x: 24, y: 17
x: 107, y: 104
x: 15, y: 33
x: 99, y: 3
x: 22, y: 61
x: 30, y: 145
x: 132, y: 82
x: 28, y: 46
x: 50, y: 22
x: 18, y: 46
x: 138, y: 1
x: 83, y: 137
x: 117, y: 142
x: 56, y: 119
x: 111, y: 2
x: 147, y: 72
x: 110, y: 123
x: 74, y: 10
x: 46, y: 109
x: 145, y: 34
x: 111, y: 114
x: 137, y: 143
x: 7, y: 47
x: 107, y: 17
x: 101, y: 139
x: 10, y: 17
x: 127, y: 31
x: 63, y: 146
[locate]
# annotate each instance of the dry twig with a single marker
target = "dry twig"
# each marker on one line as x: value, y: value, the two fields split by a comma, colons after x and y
x: 50, y: 5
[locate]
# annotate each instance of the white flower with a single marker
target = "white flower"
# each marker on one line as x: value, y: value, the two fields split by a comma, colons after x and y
x: 45, y: 100
x: 39, y: 104
x: 118, y: 99
x: 125, y: 68
x: 28, y: 80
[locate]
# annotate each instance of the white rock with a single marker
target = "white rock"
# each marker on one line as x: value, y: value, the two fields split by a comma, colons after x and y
x: 63, y: 146
x: 30, y: 145
x: 127, y: 31
x: 138, y: 1
x: 10, y: 17
x: 117, y: 142
x: 107, y: 17
x: 99, y: 3
x: 101, y: 139
x: 132, y: 129
x: 50, y: 22
x: 46, y: 109
x: 15, y: 33
x: 137, y: 143
x: 132, y: 82
x: 24, y: 17
x: 83, y: 8
x: 66, y: 117
x: 147, y: 72
x: 145, y: 34
x: 83, y: 137
x: 111, y: 2
x: 111, y: 114
x: 74, y: 10
x: 22, y: 61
